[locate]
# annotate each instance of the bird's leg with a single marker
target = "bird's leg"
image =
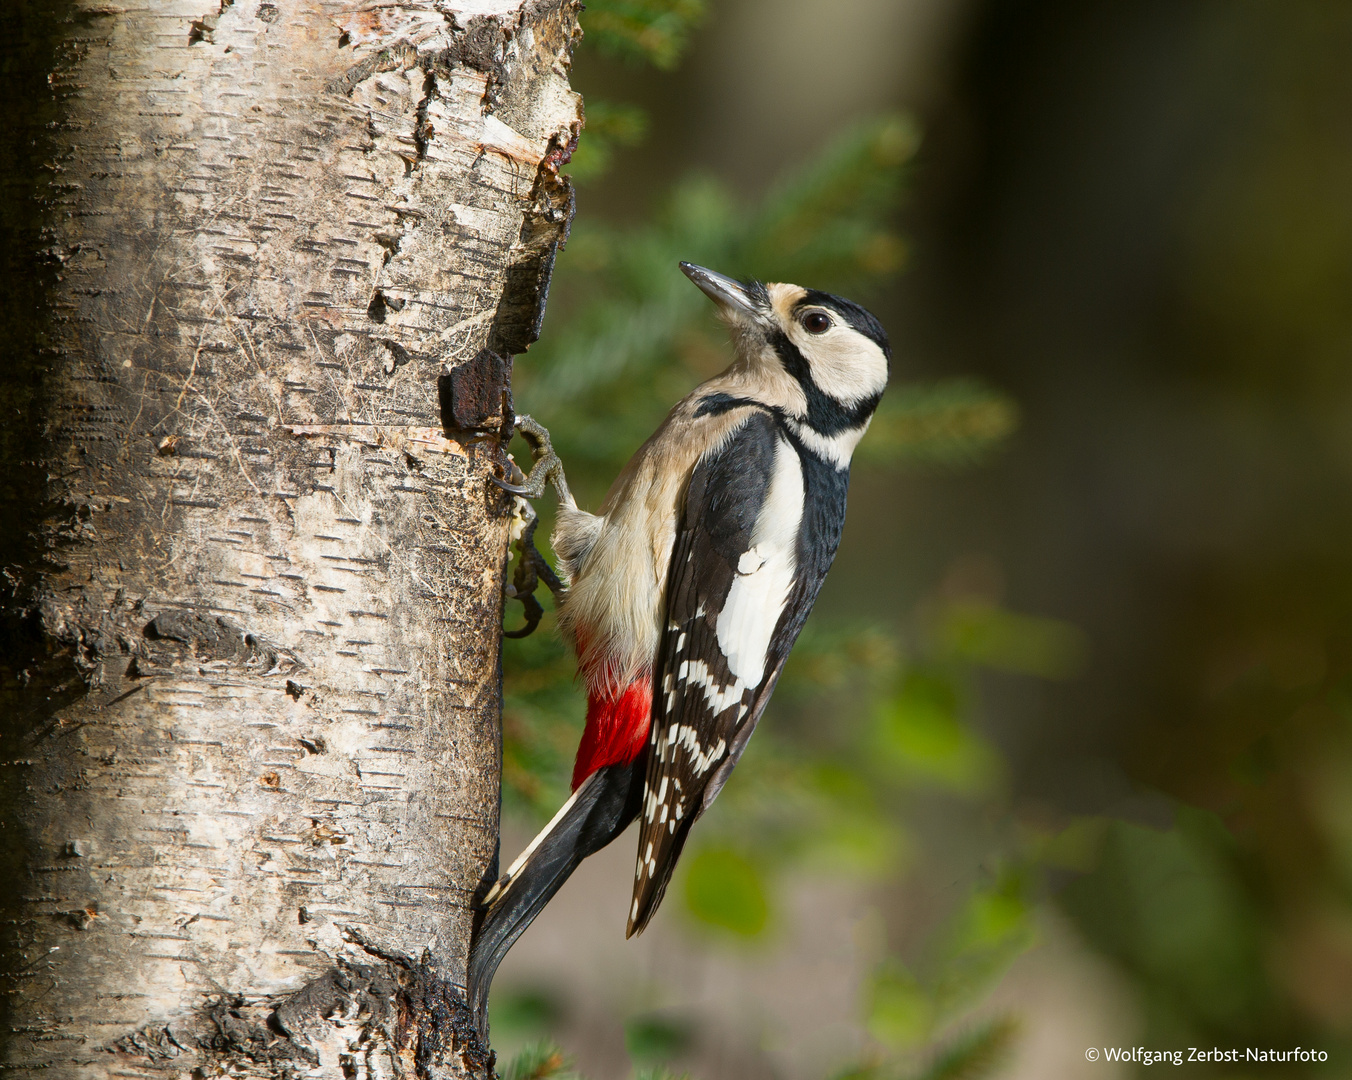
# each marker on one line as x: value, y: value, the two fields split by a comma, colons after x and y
x: 531, y: 567
x: 547, y: 468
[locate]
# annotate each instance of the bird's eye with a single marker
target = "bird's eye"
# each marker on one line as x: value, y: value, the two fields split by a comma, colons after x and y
x: 816, y: 322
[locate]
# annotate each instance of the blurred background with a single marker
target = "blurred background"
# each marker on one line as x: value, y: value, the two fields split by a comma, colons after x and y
x: 1064, y: 757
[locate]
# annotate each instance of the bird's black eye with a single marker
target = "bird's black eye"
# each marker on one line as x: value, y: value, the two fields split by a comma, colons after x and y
x: 816, y: 322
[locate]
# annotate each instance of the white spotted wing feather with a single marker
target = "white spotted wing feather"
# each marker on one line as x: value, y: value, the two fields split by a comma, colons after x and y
x: 732, y: 576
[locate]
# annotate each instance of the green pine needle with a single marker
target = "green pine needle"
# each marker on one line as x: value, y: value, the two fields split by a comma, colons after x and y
x: 954, y: 422
x: 976, y: 1054
x: 540, y: 1061
x: 609, y: 126
x: 647, y: 31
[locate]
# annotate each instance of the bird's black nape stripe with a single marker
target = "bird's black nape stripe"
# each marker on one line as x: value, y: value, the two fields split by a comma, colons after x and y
x: 854, y: 316
x: 718, y: 404
x: 825, y: 414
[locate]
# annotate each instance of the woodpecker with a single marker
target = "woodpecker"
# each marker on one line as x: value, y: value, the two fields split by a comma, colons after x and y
x: 684, y: 594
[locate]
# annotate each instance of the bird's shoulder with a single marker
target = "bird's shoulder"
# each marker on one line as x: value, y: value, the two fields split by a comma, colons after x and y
x: 698, y: 425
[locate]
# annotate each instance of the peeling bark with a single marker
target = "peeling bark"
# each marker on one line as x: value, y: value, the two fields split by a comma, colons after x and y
x: 249, y: 760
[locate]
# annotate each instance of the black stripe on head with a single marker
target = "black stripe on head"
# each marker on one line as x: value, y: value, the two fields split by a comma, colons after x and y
x: 854, y: 316
x: 824, y: 413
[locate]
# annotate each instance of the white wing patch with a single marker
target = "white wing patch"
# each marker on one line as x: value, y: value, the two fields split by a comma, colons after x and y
x: 761, y: 587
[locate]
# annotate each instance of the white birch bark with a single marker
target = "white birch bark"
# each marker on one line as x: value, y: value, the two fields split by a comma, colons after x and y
x: 251, y: 739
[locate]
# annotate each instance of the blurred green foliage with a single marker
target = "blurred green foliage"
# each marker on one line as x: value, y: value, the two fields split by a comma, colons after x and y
x: 540, y: 1061
x: 610, y: 127
x: 656, y: 1038
x: 655, y: 32
x: 952, y: 423
x: 525, y: 1012
x: 1173, y: 907
x: 724, y: 888
x: 646, y: 31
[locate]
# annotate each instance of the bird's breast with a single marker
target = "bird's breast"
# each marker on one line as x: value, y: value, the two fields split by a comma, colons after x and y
x: 621, y: 556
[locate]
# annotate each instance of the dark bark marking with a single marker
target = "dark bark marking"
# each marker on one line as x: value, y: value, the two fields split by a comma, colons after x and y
x: 472, y: 393
x: 521, y: 309
x: 212, y: 637
x: 202, y: 29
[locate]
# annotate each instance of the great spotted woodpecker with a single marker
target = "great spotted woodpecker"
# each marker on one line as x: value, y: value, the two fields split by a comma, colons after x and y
x: 686, y: 592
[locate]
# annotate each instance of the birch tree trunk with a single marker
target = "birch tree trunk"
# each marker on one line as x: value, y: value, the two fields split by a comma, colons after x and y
x: 262, y: 261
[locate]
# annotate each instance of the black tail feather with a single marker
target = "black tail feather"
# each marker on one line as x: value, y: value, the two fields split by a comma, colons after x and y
x: 601, y: 809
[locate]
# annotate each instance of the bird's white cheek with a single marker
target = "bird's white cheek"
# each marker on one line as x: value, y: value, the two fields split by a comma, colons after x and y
x: 845, y: 365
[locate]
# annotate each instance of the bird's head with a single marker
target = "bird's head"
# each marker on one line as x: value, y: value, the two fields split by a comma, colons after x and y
x: 835, y: 353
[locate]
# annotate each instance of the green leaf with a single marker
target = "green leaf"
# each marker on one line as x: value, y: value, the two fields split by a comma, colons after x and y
x: 919, y: 731
x: 993, y: 928
x: 725, y: 889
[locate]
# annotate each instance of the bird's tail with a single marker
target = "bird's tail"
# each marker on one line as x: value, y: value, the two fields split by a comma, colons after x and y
x: 598, y: 811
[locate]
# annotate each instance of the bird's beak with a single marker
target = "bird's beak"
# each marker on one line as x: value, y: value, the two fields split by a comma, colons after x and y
x: 728, y: 293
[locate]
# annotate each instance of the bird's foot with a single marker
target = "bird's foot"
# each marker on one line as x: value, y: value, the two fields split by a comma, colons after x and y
x: 531, y: 569
x: 547, y: 467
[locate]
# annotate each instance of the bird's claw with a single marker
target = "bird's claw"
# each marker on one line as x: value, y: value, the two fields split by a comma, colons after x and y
x: 514, y: 489
x: 547, y: 467
x: 531, y: 567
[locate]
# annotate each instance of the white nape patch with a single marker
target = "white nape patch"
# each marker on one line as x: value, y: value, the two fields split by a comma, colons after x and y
x: 756, y: 599
x: 835, y: 449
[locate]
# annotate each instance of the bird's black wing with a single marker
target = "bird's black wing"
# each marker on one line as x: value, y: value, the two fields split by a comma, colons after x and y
x: 757, y: 531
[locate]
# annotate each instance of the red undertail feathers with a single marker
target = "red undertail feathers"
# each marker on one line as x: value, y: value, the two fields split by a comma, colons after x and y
x: 617, y: 727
